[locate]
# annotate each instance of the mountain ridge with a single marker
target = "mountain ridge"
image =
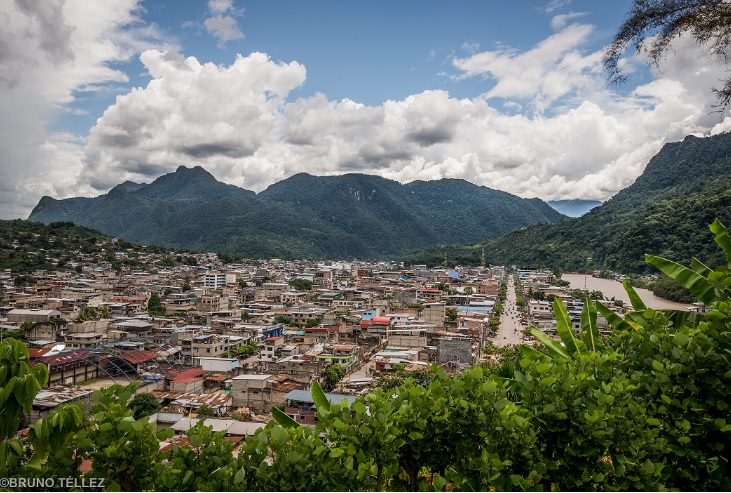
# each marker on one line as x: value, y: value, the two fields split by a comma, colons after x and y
x: 665, y: 212
x: 350, y: 215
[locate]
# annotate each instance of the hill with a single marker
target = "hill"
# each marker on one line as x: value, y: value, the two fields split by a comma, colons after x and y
x: 346, y: 216
x: 665, y: 212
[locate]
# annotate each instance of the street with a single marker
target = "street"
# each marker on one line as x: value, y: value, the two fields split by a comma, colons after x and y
x: 510, y: 329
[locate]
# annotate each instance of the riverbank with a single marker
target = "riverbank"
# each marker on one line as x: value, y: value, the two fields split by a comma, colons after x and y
x: 612, y: 288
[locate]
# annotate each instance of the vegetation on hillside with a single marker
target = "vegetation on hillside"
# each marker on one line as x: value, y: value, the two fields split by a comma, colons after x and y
x: 666, y: 210
x: 27, y: 246
x: 304, y: 216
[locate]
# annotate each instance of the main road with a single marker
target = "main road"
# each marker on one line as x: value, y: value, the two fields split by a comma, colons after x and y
x: 510, y: 331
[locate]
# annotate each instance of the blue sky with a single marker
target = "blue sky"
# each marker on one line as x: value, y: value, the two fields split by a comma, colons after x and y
x: 508, y: 95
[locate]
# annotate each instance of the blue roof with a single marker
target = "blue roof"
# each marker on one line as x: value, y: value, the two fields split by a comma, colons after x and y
x: 306, y: 396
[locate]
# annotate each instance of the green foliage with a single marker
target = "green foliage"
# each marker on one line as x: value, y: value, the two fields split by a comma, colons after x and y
x: 301, y: 284
x: 400, y: 374
x: 333, y: 375
x: 154, y: 306
x: 120, y: 447
x: 248, y: 349
x: 144, y: 404
x: 450, y: 314
x: 19, y: 383
x: 313, y: 322
x: 283, y: 319
x: 205, y: 411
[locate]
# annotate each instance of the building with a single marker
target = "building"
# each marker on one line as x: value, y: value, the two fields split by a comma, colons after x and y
x: 214, y: 280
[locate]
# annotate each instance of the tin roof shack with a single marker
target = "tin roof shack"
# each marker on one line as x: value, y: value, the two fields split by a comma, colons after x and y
x: 187, y: 381
x: 71, y: 367
x: 219, y: 401
x: 48, y: 400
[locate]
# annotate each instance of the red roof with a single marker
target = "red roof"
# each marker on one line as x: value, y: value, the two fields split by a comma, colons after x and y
x: 65, y: 357
x: 35, y: 352
x: 187, y: 376
x: 273, y: 338
x: 138, y: 356
x: 382, y: 320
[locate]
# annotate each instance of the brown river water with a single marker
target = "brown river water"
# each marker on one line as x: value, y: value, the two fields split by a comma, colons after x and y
x: 612, y: 288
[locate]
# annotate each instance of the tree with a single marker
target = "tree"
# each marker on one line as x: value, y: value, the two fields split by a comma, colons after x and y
x: 205, y: 411
x: 652, y: 26
x: 301, y: 284
x: 283, y: 319
x: 154, y: 306
x: 451, y: 314
x: 333, y: 375
x: 313, y: 322
x: 144, y: 404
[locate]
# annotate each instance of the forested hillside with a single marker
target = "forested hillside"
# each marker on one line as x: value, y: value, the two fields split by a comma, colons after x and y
x: 304, y: 216
x: 667, y: 210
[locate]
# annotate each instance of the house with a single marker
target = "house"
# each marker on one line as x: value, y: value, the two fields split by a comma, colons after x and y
x: 219, y: 401
x: 345, y: 355
x: 271, y: 345
x: 187, y: 381
x: 252, y: 391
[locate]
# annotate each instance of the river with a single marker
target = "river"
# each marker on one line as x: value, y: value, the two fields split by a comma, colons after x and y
x: 612, y: 288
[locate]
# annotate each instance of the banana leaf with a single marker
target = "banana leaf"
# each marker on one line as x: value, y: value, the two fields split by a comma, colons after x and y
x: 699, y: 267
x: 722, y: 238
x: 589, y: 328
x: 284, y: 419
x: 321, y: 400
x: 563, y: 326
x: 554, y: 348
x: 530, y: 353
x: 701, y: 287
x: 614, y: 320
x: 683, y: 317
x: 634, y: 298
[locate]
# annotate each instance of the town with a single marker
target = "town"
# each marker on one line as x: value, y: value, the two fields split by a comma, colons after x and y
x: 228, y: 342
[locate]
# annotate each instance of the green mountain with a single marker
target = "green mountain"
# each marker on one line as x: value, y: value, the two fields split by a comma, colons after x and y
x: 346, y: 216
x: 665, y: 212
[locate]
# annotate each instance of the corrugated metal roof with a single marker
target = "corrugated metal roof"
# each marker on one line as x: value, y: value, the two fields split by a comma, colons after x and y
x: 56, y: 395
x: 138, y: 356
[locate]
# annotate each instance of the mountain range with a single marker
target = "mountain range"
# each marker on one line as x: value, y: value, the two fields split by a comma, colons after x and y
x: 304, y: 216
x: 665, y: 212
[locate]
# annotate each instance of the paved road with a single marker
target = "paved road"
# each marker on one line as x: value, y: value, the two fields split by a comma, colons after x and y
x: 510, y: 329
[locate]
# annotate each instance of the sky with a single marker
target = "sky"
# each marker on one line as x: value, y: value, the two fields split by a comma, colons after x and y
x: 508, y: 95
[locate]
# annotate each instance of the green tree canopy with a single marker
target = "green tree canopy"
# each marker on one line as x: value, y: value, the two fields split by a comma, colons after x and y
x: 154, y: 306
x: 144, y: 404
x: 652, y: 26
